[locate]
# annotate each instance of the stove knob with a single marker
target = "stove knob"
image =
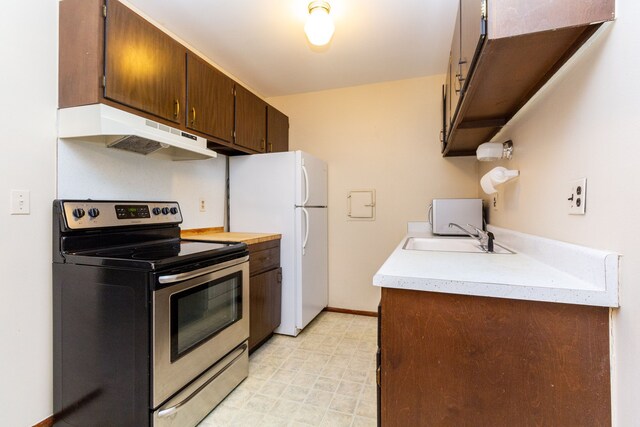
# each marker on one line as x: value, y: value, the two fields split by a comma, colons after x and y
x: 93, y: 212
x: 78, y: 213
x: 156, y: 211
x: 165, y: 211
x: 174, y: 211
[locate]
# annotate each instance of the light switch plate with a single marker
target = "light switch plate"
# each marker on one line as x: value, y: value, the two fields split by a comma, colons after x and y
x: 20, y: 203
x: 577, y: 199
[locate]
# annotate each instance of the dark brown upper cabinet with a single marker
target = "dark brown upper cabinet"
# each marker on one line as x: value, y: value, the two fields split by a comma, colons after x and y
x: 210, y: 100
x: 472, y: 33
x: 445, y: 115
x: 144, y: 67
x: 109, y: 54
x: 251, y: 121
x: 455, y: 79
x: 277, y: 131
x: 502, y: 54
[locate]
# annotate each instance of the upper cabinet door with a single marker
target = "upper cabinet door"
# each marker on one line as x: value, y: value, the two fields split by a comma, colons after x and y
x: 251, y: 120
x: 455, y: 82
x: 472, y: 33
x: 277, y: 131
x: 209, y: 99
x: 445, y: 117
x: 144, y: 67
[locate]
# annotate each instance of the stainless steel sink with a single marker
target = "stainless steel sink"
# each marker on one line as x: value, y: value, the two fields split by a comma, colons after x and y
x: 449, y: 245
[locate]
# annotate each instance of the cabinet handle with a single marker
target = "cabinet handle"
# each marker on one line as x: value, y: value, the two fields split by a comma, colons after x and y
x: 271, y: 147
x: 459, y: 75
x: 378, y: 376
x: 176, y: 108
x: 262, y: 144
x: 193, y: 116
x: 458, y: 87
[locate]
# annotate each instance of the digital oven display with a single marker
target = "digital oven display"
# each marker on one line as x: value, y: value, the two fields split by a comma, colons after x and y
x: 132, y: 211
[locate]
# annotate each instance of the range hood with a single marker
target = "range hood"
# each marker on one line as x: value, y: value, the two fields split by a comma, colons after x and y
x: 120, y: 129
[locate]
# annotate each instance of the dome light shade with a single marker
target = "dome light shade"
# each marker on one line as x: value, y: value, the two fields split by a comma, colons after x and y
x: 319, y: 27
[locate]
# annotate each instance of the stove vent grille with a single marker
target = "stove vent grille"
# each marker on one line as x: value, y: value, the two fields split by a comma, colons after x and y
x: 138, y: 144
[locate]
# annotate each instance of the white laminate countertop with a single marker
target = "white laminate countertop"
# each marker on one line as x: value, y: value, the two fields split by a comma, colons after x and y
x: 540, y: 270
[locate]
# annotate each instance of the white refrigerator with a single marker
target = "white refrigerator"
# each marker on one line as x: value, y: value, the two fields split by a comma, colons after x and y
x: 286, y: 193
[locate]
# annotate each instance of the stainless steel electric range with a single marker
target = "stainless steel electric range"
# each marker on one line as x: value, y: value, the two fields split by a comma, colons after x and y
x: 149, y: 329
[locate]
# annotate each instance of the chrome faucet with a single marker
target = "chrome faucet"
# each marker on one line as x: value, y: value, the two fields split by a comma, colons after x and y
x: 484, y: 237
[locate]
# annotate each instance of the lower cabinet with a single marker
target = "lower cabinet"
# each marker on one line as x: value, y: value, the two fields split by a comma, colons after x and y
x: 462, y: 360
x: 265, y: 291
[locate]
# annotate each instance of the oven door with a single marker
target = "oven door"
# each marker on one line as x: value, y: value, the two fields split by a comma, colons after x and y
x: 198, y: 318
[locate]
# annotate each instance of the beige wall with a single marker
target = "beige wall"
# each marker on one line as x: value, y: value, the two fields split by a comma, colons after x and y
x: 585, y: 124
x: 28, y: 83
x: 384, y: 137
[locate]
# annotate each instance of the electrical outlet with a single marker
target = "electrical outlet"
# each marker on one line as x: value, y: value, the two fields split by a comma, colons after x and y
x: 577, y: 197
x: 20, y: 204
x: 203, y: 205
x: 494, y: 201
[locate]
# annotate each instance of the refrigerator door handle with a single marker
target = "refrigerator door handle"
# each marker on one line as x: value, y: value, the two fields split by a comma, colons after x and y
x: 306, y: 234
x: 306, y: 185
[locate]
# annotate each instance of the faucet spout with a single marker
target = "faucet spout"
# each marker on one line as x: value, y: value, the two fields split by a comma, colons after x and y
x: 467, y: 232
x: 485, y: 238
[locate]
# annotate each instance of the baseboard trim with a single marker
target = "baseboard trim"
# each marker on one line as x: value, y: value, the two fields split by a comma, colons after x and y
x: 45, y: 423
x: 347, y: 311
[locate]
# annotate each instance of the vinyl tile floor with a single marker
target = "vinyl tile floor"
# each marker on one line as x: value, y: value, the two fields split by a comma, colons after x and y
x: 323, y: 377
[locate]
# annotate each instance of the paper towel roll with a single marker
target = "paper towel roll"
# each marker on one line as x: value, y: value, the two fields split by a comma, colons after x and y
x: 487, y: 185
x: 497, y: 176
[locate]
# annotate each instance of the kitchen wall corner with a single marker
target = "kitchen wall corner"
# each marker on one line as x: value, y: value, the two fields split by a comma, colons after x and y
x: 382, y: 136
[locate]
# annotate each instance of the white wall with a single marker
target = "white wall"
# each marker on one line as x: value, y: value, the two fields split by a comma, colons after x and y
x: 90, y: 170
x: 28, y: 83
x: 383, y: 137
x: 585, y: 124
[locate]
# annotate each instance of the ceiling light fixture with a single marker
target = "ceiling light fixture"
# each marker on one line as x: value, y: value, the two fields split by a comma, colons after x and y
x: 319, y: 27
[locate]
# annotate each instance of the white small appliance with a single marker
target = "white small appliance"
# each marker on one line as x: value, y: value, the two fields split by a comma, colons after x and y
x: 286, y: 193
x: 458, y: 211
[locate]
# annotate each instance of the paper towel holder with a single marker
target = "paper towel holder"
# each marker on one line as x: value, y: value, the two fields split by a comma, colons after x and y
x: 490, y: 151
x: 497, y: 176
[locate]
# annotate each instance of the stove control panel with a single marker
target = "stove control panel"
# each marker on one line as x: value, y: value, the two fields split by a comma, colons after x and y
x: 86, y: 214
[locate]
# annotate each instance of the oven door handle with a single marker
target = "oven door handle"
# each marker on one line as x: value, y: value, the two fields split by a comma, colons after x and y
x: 173, y: 278
x: 173, y: 409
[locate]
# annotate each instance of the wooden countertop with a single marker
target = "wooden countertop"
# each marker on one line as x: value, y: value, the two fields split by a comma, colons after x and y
x: 218, y: 234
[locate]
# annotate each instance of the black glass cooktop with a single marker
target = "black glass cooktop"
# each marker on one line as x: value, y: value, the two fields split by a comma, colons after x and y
x: 156, y: 254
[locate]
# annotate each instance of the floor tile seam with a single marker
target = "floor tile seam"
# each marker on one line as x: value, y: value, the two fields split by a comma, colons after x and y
x: 364, y: 416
